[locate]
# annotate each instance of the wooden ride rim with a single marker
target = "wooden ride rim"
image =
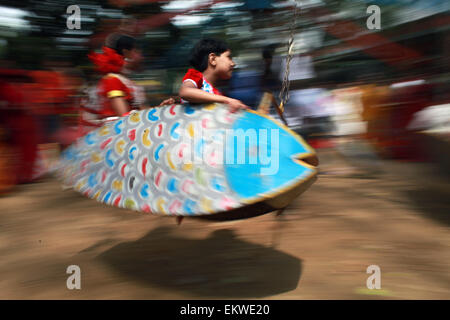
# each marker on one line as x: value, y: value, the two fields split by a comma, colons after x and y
x: 260, y: 207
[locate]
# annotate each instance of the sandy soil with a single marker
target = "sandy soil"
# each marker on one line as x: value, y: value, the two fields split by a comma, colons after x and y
x: 319, y: 249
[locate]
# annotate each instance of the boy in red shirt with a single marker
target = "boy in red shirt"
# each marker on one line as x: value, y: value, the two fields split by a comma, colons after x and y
x: 212, y: 62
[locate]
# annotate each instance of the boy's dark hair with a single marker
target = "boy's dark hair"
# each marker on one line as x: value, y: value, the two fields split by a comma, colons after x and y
x: 119, y: 42
x: 201, y: 51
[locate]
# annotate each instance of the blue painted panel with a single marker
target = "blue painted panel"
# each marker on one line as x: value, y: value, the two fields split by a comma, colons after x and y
x: 266, y: 161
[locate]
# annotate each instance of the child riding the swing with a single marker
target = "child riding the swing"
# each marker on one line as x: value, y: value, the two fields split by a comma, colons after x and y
x: 212, y: 61
x: 117, y: 94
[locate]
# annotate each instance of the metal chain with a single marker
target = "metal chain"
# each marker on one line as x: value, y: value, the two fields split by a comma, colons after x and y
x: 284, y: 93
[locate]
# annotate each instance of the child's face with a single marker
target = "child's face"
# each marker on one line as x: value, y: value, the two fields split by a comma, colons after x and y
x: 134, y: 58
x: 224, y: 65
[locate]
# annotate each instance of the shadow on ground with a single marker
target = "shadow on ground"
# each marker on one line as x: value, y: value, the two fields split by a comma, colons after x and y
x: 221, y: 265
x: 432, y: 202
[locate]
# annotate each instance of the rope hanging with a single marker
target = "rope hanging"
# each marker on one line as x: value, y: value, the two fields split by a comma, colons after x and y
x: 284, y: 93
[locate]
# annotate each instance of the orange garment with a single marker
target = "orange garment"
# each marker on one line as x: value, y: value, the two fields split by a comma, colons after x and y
x: 49, y: 92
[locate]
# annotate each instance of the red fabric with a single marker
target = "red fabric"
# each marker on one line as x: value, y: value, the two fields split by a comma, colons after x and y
x: 195, y: 76
x: 108, y: 84
x: 108, y: 61
x: 321, y: 143
x: 48, y: 93
x: 22, y: 129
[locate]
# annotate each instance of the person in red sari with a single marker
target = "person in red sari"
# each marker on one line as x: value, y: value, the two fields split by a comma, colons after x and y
x: 212, y: 61
x: 18, y: 131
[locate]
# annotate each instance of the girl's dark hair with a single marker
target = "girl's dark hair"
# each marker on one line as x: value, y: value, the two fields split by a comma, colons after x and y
x: 121, y: 42
x: 201, y: 51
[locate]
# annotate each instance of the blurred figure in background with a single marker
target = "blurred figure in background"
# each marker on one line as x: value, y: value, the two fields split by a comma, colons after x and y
x: 270, y: 81
x: 409, y: 96
x: 50, y: 98
x: 116, y: 94
x: 348, y: 110
x: 313, y: 107
x: 375, y: 98
x: 252, y: 85
x: 19, y: 132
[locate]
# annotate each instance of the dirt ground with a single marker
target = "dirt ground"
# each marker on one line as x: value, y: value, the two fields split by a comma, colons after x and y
x: 396, y: 218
